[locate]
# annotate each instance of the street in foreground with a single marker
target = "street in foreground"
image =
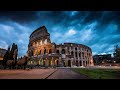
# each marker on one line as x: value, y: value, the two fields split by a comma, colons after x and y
x: 63, y: 73
x: 41, y: 74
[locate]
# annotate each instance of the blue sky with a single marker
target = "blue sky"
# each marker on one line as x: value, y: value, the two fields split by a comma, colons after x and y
x: 99, y: 30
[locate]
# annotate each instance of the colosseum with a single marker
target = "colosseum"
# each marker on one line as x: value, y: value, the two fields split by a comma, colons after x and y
x: 44, y: 53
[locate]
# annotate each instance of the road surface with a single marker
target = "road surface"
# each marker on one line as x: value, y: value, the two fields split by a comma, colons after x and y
x: 41, y: 74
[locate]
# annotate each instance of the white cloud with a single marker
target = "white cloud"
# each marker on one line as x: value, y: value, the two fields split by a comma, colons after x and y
x: 86, y: 35
x: 17, y: 33
x: 3, y: 44
x: 57, y: 35
x: 6, y: 28
x: 23, y: 28
x: 61, y: 37
x: 70, y: 32
x: 94, y: 53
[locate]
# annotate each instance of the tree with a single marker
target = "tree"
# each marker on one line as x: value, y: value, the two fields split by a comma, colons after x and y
x: 11, y: 54
x: 6, y: 57
x: 14, y: 53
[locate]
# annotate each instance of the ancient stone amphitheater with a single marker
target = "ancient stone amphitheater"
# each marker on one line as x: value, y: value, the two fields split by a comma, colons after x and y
x: 44, y: 53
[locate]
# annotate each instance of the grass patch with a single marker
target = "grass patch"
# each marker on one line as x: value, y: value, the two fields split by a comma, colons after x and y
x: 99, y: 73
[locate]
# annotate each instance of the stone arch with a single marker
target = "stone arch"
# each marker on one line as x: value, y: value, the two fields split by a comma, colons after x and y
x: 80, y: 63
x: 49, y: 62
x: 57, y: 51
x: 87, y: 64
x: 69, y: 52
x: 44, y: 51
x: 76, y: 54
x: 39, y: 53
x: 75, y: 48
x: 44, y: 62
x: 72, y: 53
x: 69, y: 63
x: 79, y: 54
x: 77, y: 62
x: 83, y: 63
x: 64, y: 63
x: 50, y: 51
x: 32, y: 53
x: 63, y: 51
x: 83, y: 55
x: 57, y: 62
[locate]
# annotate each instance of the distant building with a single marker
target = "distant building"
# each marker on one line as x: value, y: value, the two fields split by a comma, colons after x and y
x: 2, y: 53
x: 44, y: 53
x: 98, y: 59
x: 117, y: 54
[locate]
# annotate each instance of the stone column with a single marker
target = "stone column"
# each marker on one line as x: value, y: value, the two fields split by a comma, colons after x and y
x: 78, y: 56
x: 74, y: 55
x: 47, y: 63
x: 52, y: 62
x: 71, y: 63
x: 66, y: 51
x: 89, y: 60
x: 70, y: 51
x: 82, y: 63
x: 60, y: 50
x: 85, y: 62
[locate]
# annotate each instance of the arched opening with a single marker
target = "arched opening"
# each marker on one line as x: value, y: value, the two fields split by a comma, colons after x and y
x: 57, y: 62
x: 39, y: 52
x: 72, y: 53
x: 75, y: 48
x: 44, y: 62
x: 80, y: 54
x: 45, y: 51
x: 80, y: 63
x: 76, y: 54
x: 50, y: 51
x: 31, y: 53
x: 83, y: 55
x: 76, y: 62
x: 39, y: 62
x: 69, y: 63
x: 57, y: 51
x: 64, y: 64
x: 63, y: 51
x: 69, y: 52
x: 83, y: 63
x: 49, y: 62
x: 86, y: 63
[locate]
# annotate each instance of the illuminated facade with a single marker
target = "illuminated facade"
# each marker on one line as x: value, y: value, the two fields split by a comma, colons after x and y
x: 2, y: 53
x: 44, y: 53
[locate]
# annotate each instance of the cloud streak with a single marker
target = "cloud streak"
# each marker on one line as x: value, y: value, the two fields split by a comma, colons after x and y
x: 99, y: 30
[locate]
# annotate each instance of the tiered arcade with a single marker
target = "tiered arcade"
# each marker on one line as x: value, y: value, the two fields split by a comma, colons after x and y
x: 44, y: 53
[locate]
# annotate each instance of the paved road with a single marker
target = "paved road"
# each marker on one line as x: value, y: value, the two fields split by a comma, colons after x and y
x: 66, y: 74
x: 40, y: 74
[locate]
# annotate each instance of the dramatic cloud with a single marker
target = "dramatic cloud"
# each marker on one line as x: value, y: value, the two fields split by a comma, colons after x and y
x: 99, y: 30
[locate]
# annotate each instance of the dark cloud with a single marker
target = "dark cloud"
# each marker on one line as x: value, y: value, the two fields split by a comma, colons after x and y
x: 98, y: 29
x: 18, y: 16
